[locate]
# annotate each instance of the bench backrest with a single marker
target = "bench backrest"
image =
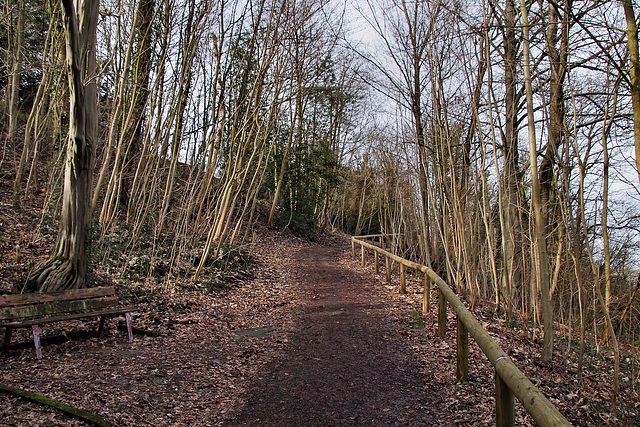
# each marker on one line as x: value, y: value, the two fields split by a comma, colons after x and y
x: 54, y: 303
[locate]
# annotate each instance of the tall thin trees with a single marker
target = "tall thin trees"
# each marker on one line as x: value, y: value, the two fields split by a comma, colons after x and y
x: 540, y: 237
x: 512, y: 229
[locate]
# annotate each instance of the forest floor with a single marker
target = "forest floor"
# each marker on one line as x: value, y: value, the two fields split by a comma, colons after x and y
x: 310, y: 339
x: 306, y: 337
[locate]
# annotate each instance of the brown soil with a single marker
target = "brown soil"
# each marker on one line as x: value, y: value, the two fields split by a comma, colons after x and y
x: 311, y: 339
x: 347, y: 363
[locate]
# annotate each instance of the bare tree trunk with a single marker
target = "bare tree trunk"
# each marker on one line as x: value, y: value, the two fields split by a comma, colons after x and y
x: 485, y: 210
x: 558, y: 66
x: 511, y: 232
x: 299, y: 114
x: 67, y: 269
x: 606, y: 129
x: 127, y: 119
x: 541, y: 243
x: 218, y: 119
x: 634, y: 73
x: 32, y: 128
x: 580, y: 230
x: 147, y: 175
x: 189, y: 48
x: 16, y: 72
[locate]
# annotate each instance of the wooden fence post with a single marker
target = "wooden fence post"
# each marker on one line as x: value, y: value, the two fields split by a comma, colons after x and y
x: 376, y: 261
x: 387, y: 269
x: 462, y: 353
x: 403, y: 280
x: 505, y: 405
x: 362, y: 246
x: 442, y: 314
x: 510, y: 381
x: 426, y: 294
x: 353, y: 249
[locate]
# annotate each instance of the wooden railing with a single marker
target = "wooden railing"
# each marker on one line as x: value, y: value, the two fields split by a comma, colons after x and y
x: 510, y: 380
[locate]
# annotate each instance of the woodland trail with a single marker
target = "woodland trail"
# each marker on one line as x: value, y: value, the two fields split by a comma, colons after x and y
x: 347, y: 363
x: 310, y: 339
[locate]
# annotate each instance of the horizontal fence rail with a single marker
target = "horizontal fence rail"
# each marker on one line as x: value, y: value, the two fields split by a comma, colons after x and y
x: 510, y: 381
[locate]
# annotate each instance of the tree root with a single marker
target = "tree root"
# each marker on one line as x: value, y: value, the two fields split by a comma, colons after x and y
x: 140, y: 331
x: 56, y: 274
x: 87, y: 417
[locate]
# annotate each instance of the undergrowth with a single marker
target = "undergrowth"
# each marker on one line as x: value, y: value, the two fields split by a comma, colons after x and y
x: 157, y: 261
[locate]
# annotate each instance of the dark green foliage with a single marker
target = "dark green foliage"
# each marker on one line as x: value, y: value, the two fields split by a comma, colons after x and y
x: 37, y: 18
x: 108, y: 248
x: 418, y: 323
x: 299, y: 224
x: 312, y: 170
x: 232, y: 264
x: 138, y: 294
x: 146, y: 266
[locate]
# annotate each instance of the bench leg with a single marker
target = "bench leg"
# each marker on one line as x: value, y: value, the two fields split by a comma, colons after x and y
x: 36, y: 340
x: 127, y: 318
x: 7, y: 340
x: 101, y: 326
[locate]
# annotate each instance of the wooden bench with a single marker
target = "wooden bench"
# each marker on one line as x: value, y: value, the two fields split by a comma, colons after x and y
x: 24, y: 310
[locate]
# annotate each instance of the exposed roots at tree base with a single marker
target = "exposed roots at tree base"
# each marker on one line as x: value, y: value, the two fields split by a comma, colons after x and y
x: 56, y: 274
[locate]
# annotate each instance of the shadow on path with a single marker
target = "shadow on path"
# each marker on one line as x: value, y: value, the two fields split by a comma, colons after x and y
x: 347, y: 363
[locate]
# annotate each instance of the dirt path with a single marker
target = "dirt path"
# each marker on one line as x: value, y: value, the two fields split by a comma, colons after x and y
x: 310, y: 339
x: 347, y: 363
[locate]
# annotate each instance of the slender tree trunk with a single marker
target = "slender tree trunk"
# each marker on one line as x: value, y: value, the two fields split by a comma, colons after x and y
x: 512, y: 245
x: 606, y: 247
x: 299, y: 114
x: 580, y: 230
x: 558, y: 62
x: 32, y: 128
x: 193, y: 34
x: 127, y: 117
x: 16, y: 72
x: 541, y: 243
x: 485, y: 210
x: 145, y: 13
x: 634, y: 73
x: 218, y: 119
x: 145, y: 182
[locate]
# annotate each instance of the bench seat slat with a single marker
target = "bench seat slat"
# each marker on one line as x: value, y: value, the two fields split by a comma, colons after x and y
x: 56, y: 307
x: 77, y: 316
x: 18, y: 311
x: 37, y: 298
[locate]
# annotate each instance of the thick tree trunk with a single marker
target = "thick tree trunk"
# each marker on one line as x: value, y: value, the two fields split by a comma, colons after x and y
x: 67, y: 268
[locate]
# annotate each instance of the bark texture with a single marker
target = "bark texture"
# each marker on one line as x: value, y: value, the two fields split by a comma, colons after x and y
x: 67, y: 268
